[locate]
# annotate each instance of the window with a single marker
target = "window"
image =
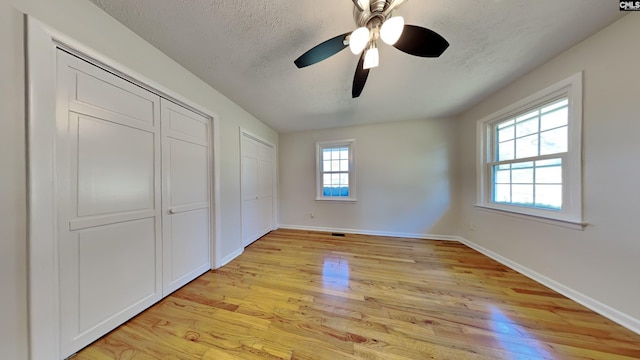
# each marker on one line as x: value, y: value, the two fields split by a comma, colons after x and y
x: 530, y: 155
x: 336, y: 171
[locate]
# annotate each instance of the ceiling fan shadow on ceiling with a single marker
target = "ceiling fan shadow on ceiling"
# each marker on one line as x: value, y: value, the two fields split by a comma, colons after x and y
x: 375, y: 20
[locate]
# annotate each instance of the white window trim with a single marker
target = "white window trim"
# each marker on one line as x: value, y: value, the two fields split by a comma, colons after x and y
x: 351, y: 143
x: 571, y: 213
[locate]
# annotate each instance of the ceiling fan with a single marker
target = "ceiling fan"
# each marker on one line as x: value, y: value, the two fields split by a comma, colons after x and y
x: 375, y: 20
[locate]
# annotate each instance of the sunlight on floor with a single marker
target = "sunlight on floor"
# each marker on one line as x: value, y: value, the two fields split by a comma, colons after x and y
x: 335, y: 274
x: 514, y: 339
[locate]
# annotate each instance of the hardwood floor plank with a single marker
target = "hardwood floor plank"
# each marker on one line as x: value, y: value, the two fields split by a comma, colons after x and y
x: 301, y: 295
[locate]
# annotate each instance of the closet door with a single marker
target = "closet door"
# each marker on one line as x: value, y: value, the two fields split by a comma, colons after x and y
x: 186, y: 195
x: 108, y: 190
x: 257, y: 188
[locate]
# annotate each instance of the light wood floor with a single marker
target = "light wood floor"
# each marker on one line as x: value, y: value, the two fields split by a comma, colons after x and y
x: 303, y: 295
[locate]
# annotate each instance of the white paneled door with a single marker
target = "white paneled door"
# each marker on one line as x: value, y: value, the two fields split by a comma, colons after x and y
x: 186, y: 187
x: 257, y: 188
x: 133, y: 189
x: 108, y: 186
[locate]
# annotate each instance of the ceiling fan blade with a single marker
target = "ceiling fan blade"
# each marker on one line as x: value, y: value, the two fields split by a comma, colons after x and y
x: 360, y: 78
x: 322, y: 51
x: 419, y: 41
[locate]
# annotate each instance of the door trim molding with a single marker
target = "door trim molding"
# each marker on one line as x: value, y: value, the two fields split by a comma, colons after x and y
x: 42, y: 43
x: 274, y: 158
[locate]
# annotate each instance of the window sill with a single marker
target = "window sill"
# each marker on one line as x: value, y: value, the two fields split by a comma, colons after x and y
x: 570, y: 224
x: 345, y: 200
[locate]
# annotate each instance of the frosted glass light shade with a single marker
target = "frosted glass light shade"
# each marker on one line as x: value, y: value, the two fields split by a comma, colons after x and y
x: 359, y: 40
x: 392, y: 30
x: 371, y: 58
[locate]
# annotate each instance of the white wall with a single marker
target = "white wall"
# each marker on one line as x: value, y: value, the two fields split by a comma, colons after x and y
x: 603, y: 261
x: 85, y: 23
x: 13, y: 238
x: 403, y: 180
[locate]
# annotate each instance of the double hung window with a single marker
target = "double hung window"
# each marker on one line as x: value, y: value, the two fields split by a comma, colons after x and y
x: 335, y: 170
x: 530, y: 155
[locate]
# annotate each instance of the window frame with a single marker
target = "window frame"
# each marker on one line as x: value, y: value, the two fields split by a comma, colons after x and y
x: 322, y: 145
x: 571, y: 212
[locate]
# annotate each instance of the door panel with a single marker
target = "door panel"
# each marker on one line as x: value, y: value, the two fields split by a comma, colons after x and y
x: 188, y: 126
x: 108, y: 189
x: 113, y: 95
x: 257, y: 189
x: 188, y: 178
x: 115, y: 168
x: 265, y: 191
x: 114, y: 249
x: 186, y: 195
x: 190, y: 236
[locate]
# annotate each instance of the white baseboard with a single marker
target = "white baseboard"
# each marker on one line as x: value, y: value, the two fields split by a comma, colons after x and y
x: 227, y: 259
x: 612, y: 314
x: 369, y: 232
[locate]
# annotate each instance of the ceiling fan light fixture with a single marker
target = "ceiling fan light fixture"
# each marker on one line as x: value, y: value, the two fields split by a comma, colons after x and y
x: 392, y: 30
x: 371, y: 58
x: 359, y: 40
x: 364, y: 4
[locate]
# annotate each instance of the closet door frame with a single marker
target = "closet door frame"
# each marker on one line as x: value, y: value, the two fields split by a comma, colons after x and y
x: 42, y: 43
x: 274, y: 172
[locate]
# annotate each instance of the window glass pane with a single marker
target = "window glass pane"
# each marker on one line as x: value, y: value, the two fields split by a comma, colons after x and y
x: 554, y: 119
x: 326, y: 180
x: 344, y: 154
x: 503, y: 176
x: 326, y: 165
x: 527, y: 146
x: 506, y: 134
x: 335, y: 179
x: 335, y: 165
x: 553, y: 141
x: 326, y: 154
x: 522, y: 194
x: 527, y: 127
x: 506, y: 123
x: 549, y: 196
x: 344, y: 179
x: 549, y: 175
x: 528, y: 115
x: 555, y: 105
x: 344, y: 165
x: 502, y: 193
x: 522, y: 176
x: 505, y: 151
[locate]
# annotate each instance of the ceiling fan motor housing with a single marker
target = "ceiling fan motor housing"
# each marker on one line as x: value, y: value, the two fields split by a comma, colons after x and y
x: 373, y: 16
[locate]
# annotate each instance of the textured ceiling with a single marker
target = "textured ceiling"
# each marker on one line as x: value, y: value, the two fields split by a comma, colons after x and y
x: 245, y: 49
